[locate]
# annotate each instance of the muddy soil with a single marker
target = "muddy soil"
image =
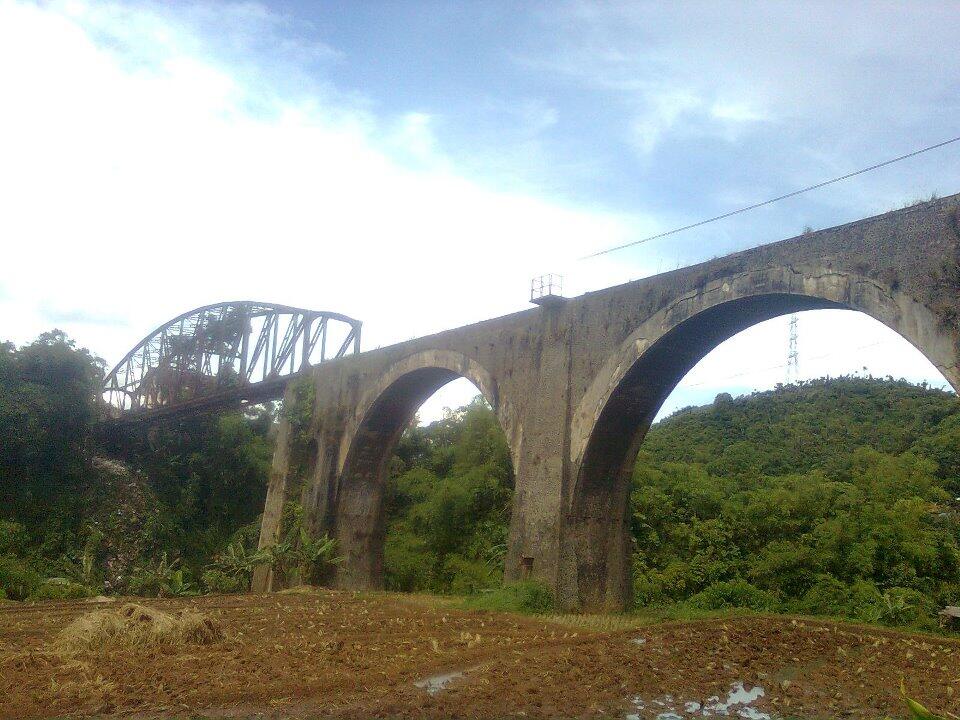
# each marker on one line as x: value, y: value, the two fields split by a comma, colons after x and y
x: 344, y: 655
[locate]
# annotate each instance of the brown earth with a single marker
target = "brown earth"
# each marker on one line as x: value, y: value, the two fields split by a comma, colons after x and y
x: 345, y: 655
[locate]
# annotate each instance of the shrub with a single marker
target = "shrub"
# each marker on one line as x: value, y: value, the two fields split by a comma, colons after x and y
x: 60, y: 589
x: 18, y: 580
x: 827, y: 596
x: 905, y: 606
x: 647, y: 591
x: 217, y: 581
x: 298, y: 557
x: 734, y: 594
x: 164, y: 579
x: 528, y: 596
x: 656, y: 587
x: 83, y: 569
x: 408, y: 563
x: 232, y: 570
x: 468, y: 577
x: 866, y: 602
x: 13, y: 538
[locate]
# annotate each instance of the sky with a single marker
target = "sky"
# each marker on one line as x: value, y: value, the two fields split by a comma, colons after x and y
x: 415, y: 164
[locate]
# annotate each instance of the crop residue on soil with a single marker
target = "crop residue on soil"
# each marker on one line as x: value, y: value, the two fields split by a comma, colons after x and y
x: 338, y: 654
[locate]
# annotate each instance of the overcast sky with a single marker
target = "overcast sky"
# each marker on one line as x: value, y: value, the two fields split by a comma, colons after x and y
x: 415, y: 164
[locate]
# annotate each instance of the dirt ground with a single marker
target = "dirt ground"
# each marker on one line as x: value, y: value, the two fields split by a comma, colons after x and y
x: 344, y: 655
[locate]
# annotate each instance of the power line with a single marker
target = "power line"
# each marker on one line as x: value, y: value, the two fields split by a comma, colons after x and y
x: 772, y: 200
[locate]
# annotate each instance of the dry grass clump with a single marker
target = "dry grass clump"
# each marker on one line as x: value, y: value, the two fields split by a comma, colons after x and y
x: 136, y: 626
x: 599, y: 623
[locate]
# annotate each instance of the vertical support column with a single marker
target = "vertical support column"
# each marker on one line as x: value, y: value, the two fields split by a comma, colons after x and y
x: 245, y: 342
x: 582, y: 549
x: 319, y: 493
x: 535, y: 526
x: 540, y: 441
x: 360, y: 523
x: 360, y: 537
x: 273, y: 508
x: 596, y: 548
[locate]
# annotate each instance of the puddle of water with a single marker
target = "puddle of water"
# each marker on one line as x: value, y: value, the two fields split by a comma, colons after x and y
x: 436, y: 683
x: 738, y: 703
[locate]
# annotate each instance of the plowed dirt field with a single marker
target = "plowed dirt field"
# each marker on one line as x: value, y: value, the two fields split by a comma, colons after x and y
x: 344, y: 655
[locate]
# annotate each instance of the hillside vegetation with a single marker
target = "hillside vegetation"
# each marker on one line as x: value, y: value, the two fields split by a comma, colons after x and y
x: 830, y: 497
x: 75, y: 523
x: 448, y: 504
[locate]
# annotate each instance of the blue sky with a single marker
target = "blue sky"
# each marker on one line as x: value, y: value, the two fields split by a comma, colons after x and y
x: 415, y: 164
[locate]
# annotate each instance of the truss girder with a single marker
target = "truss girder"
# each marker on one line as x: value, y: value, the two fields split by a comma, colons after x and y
x: 223, y: 350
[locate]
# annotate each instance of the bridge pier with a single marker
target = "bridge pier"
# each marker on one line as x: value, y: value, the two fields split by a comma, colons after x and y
x: 597, y: 555
x: 360, y: 549
x: 273, y: 507
x: 540, y: 450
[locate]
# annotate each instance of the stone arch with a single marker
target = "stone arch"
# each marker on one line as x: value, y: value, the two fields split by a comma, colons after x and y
x: 621, y: 402
x: 367, y: 444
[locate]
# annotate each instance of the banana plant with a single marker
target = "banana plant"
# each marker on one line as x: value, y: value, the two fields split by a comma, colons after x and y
x: 163, y: 580
x: 298, y: 556
x: 239, y: 563
x: 917, y: 711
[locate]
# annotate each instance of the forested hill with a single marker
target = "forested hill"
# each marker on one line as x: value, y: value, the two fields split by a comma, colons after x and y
x: 814, y: 425
x: 835, y: 497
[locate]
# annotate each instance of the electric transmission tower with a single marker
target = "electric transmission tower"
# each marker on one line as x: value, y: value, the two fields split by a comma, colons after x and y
x: 793, y: 358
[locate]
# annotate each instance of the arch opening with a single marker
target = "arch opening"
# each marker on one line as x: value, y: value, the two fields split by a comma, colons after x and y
x: 632, y: 406
x: 599, y: 509
x: 424, y: 503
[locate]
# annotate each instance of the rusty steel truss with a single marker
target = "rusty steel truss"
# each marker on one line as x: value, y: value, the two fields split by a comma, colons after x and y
x: 223, y: 353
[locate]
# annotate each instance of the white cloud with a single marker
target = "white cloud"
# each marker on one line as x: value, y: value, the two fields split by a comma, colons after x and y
x: 536, y: 116
x: 144, y: 183
x: 738, y: 112
x: 861, y: 68
x: 414, y: 139
x: 664, y: 110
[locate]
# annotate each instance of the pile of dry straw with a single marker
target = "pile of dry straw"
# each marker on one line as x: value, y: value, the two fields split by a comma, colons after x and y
x: 136, y: 626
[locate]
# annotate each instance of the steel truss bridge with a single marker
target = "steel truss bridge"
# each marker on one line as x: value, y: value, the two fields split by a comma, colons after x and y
x: 221, y: 354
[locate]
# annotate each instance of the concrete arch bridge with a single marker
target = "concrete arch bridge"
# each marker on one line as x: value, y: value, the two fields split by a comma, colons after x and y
x: 576, y: 385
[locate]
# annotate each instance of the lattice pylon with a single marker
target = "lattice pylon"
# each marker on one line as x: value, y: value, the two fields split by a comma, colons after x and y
x: 793, y: 357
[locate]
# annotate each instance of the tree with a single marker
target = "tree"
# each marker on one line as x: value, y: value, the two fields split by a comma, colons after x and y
x: 47, y: 408
x: 448, y: 504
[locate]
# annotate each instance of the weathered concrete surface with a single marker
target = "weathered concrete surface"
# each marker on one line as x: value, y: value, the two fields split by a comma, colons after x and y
x: 576, y: 387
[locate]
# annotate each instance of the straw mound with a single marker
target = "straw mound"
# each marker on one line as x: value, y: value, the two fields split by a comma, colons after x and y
x: 133, y: 626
